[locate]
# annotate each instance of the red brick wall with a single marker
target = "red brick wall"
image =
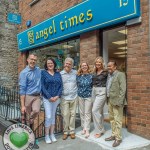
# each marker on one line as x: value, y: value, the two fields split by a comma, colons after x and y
x: 21, y: 61
x: 89, y: 47
x: 138, y: 75
x: 43, y: 9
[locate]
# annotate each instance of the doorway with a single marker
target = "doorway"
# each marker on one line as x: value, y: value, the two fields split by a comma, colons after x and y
x: 115, y: 47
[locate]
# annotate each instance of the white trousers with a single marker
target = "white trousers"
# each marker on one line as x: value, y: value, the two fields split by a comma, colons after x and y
x: 85, y: 107
x: 50, y: 111
x: 99, y: 97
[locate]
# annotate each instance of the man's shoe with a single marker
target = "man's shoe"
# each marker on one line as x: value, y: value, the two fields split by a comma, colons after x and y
x: 110, y: 138
x: 116, y: 143
x: 35, y: 146
x: 72, y: 136
x: 65, y: 136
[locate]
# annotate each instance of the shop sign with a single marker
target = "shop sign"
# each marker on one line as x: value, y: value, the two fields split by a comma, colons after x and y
x: 86, y: 16
x: 14, y: 18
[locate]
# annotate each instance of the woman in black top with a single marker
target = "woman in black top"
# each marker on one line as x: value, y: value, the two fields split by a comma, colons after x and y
x: 99, y: 95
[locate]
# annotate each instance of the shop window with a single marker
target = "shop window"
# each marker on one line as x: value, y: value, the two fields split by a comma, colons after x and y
x: 59, y: 52
x: 115, y: 46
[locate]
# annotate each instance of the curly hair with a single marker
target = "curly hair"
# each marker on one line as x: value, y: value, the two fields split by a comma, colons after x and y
x: 80, y: 72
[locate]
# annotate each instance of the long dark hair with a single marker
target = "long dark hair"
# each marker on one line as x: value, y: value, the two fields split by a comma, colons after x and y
x: 54, y: 62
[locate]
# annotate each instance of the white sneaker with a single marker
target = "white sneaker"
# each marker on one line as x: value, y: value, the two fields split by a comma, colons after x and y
x: 52, y: 136
x: 47, y: 139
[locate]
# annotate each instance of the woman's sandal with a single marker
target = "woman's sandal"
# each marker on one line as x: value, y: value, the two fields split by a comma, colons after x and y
x: 87, y: 135
x: 98, y: 135
x: 83, y: 132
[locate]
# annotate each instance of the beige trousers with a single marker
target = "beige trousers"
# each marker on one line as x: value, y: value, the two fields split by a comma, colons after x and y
x: 99, y: 97
x: 68, y: 110
x: 115, y: 117
x: 32, y: 104
x: 85, y: 107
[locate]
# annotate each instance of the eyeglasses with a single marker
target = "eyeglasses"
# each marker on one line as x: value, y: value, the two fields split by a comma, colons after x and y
x: 33, y: 59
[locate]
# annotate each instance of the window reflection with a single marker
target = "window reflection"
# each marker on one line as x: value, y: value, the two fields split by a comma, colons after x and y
x: 59, y: 52
x: 115, y: 46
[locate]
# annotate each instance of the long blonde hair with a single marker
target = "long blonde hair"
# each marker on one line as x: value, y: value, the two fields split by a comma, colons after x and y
x: 102, y: 62
x: 80, y: 72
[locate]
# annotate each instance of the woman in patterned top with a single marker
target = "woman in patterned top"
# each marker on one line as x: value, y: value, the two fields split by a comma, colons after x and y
x: 99, y: 95
x: 84, y: 83
x: 51, y: 91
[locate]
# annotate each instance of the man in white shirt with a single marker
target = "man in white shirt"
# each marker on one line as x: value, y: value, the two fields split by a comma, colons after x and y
x: 69, y: 98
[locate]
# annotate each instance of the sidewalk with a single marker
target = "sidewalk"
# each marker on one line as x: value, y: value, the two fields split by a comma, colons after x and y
x: 130, y: 142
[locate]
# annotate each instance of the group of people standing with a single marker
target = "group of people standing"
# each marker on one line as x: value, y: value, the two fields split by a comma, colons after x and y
x: 68, y: 87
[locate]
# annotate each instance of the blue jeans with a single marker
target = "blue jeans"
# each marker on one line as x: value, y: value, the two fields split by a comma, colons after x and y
x: 50, y: 111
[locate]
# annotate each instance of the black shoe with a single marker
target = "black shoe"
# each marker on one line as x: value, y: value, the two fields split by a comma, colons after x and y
x: 116, y: 143
x: 35, y: 146
x: 111, y: 138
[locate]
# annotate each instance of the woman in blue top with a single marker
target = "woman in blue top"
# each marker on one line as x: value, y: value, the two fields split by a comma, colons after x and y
x: 84, y: 83
x: 51, y: 91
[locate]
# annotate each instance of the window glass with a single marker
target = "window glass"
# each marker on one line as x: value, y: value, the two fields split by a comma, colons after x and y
x: 115, y: 46
x: 59, y: 52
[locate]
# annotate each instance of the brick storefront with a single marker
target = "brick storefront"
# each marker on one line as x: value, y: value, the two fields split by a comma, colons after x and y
x: 138, y: 56
x: 138, y: 75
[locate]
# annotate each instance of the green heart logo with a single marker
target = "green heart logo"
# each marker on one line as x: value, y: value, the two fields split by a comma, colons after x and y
x: 19, y: 139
